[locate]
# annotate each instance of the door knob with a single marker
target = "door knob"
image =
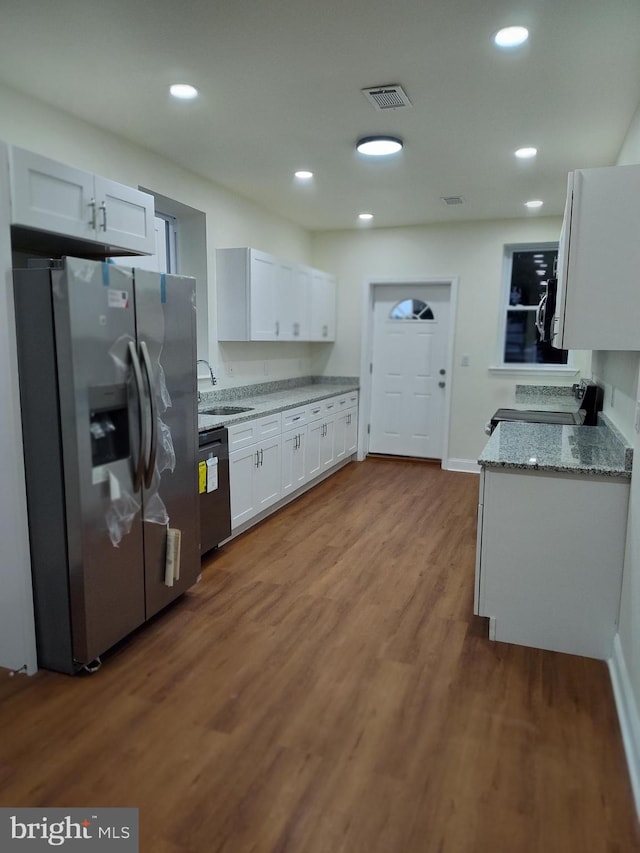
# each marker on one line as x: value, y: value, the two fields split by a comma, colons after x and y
x: 441, y: 384
x: 442, y: 372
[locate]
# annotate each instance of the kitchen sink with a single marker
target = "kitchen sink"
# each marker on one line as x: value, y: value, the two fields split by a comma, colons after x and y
x: 224, y: 410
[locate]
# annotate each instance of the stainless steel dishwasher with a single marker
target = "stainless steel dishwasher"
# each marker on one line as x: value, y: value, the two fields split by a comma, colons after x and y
x: 213, y: 471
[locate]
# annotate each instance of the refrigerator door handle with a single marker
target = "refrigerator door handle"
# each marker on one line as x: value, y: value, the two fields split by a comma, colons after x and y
x: 153, y: 444
x: 137, y: 374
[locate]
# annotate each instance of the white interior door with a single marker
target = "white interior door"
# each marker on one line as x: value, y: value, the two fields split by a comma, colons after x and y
x: 409, y: 360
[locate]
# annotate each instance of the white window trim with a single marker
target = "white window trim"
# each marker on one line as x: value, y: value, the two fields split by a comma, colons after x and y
x: 505, y: 368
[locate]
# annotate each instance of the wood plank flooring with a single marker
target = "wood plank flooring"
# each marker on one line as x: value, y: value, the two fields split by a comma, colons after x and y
x: 326, y: 689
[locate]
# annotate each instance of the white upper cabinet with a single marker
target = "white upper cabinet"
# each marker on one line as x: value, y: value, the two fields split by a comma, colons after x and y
x: 598, y: 261
x: 322, y: 317
x: 264, y: 298
x: 52, y: 197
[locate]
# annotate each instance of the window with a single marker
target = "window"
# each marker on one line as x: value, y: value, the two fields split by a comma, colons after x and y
x: 526, y: 270
x: 411, y: 309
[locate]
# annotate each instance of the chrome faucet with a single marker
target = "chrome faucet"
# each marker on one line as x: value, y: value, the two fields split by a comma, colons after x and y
x: 213, y: 378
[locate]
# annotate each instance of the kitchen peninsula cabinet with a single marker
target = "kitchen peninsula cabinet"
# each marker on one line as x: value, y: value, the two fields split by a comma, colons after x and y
x: 551, y: 539
x: 265, y: 298
x: 54, y: 198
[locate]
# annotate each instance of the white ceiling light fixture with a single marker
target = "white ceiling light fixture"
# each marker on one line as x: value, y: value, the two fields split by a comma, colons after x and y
x: 183, y: 91
x: 511, y: 37
x: 379, y: 146
x: 536, y: 202
x: 303, y: 175
x: 365, y: 217
x: 526, y: 153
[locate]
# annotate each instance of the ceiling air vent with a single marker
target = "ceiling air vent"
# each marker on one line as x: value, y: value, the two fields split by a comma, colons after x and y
x: 452, y: 199
x: 389, y: 97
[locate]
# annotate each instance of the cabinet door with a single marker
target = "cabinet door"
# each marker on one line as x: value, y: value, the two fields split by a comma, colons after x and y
x: 290, y: 303
x: 294, y: 447
x: 125, y: 216
x: 51, y: 196
x: 267, y: 481
x: 327, y: 444
x: 242, y: 473
x: 315, y: 431
x: 263, y: 297
x: 340, y: 436
x: 351, y: 438
x: 322, y: 303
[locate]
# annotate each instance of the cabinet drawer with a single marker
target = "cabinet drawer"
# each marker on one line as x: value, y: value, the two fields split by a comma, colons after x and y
x: 250, y: 432
x: 330, y: 406
x: 294, y: 418
x: 314, y: 411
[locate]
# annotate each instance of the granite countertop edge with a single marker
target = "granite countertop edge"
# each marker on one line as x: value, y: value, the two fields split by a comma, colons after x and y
x: 526, y: 447
x: 271, y: 398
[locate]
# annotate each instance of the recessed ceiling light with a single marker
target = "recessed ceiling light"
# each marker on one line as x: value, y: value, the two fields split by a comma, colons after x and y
x: 184, y: 91
x: 511, y: 36
x: 379, y: 146
x: 365, y: 217
x: 534, y: 203
x: 303, y: 174
x: 526, y: 153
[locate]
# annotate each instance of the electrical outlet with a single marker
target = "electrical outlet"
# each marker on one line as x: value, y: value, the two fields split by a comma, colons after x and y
x: 465, y: 361
x: 229, y: 369
x: 266, y: 368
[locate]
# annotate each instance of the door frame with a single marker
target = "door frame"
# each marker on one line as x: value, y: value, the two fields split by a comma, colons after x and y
x: 366, y: 352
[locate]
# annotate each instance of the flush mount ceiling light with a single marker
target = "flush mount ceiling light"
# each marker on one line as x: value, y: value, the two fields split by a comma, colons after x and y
x: 379, y: 146
x: 526, y: 153
x: 303, y: 175
x: 534, y: 203
x: 365, y: 217
x: 183, y: 91
x: 511, y: 36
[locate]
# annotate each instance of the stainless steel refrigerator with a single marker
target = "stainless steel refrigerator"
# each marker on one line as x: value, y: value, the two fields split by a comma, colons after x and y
x: 109, y: 405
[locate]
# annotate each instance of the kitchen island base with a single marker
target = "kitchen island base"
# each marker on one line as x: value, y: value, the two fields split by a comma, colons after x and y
x: 549, y: 558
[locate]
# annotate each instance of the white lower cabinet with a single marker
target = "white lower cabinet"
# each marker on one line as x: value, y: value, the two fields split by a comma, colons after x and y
x: 274, y: 456
x: 254, y: 475
x: 550, y: 557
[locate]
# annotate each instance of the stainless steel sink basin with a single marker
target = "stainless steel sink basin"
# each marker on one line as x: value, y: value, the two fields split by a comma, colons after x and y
x: 224, y: 410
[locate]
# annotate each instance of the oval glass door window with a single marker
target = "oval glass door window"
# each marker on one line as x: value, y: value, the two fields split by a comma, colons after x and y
x: 411, y: 309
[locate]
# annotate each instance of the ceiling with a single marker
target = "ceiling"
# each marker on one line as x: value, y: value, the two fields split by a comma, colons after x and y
x: 281, y: 81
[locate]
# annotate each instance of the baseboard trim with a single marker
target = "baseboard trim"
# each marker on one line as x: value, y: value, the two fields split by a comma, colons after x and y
x: 469, y: 466
x: 627, y: 716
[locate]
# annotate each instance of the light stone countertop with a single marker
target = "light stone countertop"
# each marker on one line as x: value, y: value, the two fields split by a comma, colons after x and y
x: 266, y: 402
x: 590, y: 450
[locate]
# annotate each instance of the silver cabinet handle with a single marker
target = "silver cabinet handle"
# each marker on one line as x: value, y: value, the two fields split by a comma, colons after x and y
x: 103, y: 209
x: 277, y: 328
x: 261, y: 456
x: 325, y: 331
x: 92, y: 219
x: 296, y: 329
x: 257, y: 459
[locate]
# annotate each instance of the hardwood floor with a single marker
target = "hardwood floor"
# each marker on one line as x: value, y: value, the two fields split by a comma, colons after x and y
x: 326, y: 689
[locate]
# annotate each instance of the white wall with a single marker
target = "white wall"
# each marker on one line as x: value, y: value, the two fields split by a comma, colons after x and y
x: 473, y: 251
